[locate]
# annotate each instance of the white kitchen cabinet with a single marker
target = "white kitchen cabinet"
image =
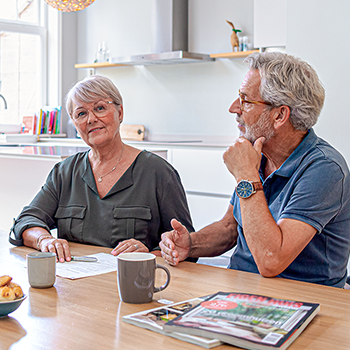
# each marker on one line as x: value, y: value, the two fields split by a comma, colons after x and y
x: 203, y: 170
x: 206, y: 209
x: 209, y: 187
x: 270, y: 23
x: 206, y: 180
x: 21, y: 178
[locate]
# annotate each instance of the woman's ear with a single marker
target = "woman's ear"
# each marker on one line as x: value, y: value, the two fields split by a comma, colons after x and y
x: 281, y: 116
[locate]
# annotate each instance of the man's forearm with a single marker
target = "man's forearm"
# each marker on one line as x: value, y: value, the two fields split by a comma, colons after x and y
x: 215, y: 238
x: 273, y: 245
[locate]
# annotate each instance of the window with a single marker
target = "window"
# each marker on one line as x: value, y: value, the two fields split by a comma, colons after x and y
x: 22, y: 59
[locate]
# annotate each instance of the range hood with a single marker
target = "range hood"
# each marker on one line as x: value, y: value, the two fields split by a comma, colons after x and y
x: 169, y: 37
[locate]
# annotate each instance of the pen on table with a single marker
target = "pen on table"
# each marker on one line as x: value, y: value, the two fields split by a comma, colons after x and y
x: 84, y: 258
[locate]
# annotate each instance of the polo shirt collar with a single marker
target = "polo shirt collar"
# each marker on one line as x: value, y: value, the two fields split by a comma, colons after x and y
x: 294, y: 160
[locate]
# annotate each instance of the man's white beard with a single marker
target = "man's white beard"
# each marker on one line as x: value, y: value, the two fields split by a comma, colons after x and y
x: 262, y: 127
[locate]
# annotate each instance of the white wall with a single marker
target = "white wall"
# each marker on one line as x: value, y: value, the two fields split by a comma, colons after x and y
x: 318, y: 32
x: 193, y: 98
x: 190, y: 99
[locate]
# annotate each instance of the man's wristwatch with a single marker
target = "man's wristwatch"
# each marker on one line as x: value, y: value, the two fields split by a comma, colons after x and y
x: 246, y: 188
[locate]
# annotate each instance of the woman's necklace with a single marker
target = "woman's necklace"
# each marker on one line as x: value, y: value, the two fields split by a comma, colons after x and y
x: 101, y: 176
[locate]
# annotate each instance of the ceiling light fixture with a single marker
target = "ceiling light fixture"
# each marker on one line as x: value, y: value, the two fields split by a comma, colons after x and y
x: 69, y: 5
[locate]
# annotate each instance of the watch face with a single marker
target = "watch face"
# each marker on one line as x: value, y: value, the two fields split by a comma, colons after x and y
x: 244, y: 189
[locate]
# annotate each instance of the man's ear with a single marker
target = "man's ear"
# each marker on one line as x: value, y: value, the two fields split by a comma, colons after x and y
x: 281, y: 116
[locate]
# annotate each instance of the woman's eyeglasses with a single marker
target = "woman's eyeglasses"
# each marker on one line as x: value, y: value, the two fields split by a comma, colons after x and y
x: 99, y: 109
x: 243, y: 101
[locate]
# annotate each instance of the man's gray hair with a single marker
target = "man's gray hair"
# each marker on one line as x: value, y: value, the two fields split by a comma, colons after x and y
x: 90, y: 89
x: 287, y: 80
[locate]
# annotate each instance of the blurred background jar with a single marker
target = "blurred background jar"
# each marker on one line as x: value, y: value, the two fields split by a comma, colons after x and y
x: 244, y: 43
x: 102, y: 54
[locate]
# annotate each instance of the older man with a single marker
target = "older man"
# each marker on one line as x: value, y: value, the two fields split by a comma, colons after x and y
x: 290, y: 213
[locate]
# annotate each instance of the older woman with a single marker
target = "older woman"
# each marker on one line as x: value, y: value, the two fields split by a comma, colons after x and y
x: 113, y: 195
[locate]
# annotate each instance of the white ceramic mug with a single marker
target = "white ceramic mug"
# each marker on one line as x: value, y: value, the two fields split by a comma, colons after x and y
x: 41, y: 268
x: 136, y: 277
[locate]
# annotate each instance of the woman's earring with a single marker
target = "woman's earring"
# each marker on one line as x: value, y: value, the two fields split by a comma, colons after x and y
x: 120, y: 121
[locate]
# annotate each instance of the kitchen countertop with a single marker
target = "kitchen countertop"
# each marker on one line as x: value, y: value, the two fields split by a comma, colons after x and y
x: 42, y: 151
x: 166, y: 140
x: 61, y: 148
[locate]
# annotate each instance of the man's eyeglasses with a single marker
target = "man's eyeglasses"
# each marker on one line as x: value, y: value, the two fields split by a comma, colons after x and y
x: 100, y: 109
x: 243, y: 101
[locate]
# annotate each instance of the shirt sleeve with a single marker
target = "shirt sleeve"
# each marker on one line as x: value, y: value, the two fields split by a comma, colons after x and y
x: 317, y: 196
x: 174, y: 204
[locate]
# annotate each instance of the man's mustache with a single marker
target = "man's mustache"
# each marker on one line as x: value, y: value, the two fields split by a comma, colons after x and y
x: 239, y: 120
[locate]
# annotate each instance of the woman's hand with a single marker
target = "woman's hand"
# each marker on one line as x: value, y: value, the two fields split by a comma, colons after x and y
x: 41, y: 239
x: 129, y: 246
x: 58, y: 246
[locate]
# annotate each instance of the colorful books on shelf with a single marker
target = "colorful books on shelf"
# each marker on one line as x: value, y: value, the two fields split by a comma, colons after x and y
x: 48, y: 121
x: 246, y: 320
x: 154, y: 320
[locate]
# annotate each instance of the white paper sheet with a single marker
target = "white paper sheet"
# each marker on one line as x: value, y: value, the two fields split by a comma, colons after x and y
x: 77, y: 269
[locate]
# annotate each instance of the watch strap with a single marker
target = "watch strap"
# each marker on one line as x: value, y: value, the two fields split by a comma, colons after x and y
x: 258, y: 186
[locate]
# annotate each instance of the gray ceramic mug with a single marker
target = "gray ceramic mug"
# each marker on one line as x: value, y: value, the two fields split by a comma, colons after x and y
x: 136, y: 277
x: 41, y: 268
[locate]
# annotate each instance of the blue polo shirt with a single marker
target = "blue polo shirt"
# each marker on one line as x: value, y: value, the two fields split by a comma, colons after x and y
x: 313, y: 186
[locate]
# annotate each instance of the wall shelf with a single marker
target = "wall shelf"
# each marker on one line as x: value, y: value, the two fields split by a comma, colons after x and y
x: 98, y: 65
x: 239, y: 54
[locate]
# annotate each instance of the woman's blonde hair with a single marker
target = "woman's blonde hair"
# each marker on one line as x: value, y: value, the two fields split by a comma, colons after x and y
x: 90, y: 89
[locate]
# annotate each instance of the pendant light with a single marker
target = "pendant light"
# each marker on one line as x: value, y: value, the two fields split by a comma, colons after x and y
x: 69, y: 5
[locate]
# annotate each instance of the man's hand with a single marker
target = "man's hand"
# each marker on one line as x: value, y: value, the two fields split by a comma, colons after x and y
x: 176, y: 244
x: 243, y: 160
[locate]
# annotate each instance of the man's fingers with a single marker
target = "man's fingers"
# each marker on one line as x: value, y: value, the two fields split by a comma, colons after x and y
x: 258, y: 144
x: 167, y: 246
x: 177, y: 226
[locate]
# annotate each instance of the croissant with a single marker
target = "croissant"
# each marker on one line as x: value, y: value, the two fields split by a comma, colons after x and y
x: 4, y: 280
x: 9, y: 290
x: 7, y: 294
x: 17, y: 289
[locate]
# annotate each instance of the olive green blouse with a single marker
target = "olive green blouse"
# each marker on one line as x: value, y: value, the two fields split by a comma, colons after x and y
x: 140, y: 205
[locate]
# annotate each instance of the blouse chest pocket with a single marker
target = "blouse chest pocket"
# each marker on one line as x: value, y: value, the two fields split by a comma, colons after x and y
x: 132, y: 222
x: 70, y: 222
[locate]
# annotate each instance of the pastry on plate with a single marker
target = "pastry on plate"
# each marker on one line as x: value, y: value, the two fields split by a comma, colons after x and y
x: 7, y: 294
x: 9, y: 290
x: 17, y: 289
x: 4, y: 280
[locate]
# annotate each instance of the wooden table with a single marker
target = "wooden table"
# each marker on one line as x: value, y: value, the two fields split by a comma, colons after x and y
x: 87, y: 313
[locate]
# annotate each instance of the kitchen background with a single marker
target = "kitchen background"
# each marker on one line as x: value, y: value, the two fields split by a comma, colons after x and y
x: 193, y: 99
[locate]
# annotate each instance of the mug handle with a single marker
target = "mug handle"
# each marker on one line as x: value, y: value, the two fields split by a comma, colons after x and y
x: 158, y: 289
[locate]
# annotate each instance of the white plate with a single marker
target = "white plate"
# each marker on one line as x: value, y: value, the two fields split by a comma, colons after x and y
x: 10, y: 128
x: 18, y: 138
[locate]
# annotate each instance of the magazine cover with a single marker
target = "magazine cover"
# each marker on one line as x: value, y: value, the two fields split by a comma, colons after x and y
x: 155, y: 319
x: 246, y: 320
